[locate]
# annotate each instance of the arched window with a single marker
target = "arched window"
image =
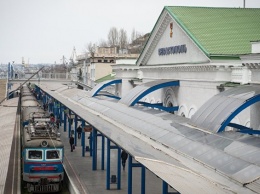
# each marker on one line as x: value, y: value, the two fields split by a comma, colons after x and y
x: 169, y: 104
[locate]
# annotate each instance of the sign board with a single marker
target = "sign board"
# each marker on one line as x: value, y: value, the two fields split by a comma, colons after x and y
x: 88, y: 128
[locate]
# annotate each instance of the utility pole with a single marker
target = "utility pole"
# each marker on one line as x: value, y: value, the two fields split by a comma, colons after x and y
x: 244, y: 4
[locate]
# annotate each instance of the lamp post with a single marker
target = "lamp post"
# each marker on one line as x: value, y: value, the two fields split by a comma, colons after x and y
x: 84, y: 70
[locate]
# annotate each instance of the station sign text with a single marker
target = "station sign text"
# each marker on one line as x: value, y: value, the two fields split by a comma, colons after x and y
x: 172, y: 50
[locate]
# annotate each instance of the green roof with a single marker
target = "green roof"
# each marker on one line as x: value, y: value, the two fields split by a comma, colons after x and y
x: 219, y: 31
x: 107, y: 77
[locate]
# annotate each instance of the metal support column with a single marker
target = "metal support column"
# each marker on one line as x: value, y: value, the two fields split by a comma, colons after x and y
x: 52, y: 106
x: 44, y: 98
x: 130, y: 175
x: 108, y: 165
x: 118, y: 168
x: 57, y: 109
x: 165, y: 187
x: 69, y: 134
x: 143, y: 180
x: 65, y: 120
x: 83, y: 138
x: 94, y: 149
x: 103, y: 153
x: 60, y: 115
x: 90, y: 142
x: 47, y: 101
x: 75, y: 129
x: 109, y: 147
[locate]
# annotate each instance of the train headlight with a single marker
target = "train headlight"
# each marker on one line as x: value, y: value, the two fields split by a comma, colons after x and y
x: 44, y: 144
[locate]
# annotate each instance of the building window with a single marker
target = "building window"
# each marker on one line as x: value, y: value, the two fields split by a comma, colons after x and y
x: 170, y: 105
x: 105, y: 61
x: 99, y: 60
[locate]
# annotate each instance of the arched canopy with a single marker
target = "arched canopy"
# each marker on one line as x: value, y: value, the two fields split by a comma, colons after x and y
x: 137, y: 93
x: 218, y: 112
x: 102, y: 85
x: 142, y: 131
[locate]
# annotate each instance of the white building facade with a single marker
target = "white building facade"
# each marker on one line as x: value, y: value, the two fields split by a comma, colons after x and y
x: 173, y: 53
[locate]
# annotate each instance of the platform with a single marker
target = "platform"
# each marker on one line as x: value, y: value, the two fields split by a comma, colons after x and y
x: 87, y: 181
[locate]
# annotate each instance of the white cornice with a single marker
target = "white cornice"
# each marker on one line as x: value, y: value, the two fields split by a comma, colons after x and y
x: 159, y: 29
x: 186, y: 67
x: 252, y: 65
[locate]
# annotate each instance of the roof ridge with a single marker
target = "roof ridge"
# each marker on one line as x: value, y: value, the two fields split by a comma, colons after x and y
x: 211, y: 7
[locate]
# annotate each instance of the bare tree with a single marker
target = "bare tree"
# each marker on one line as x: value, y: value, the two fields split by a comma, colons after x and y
x: 91, y: 48
x: 133, y: 35
x: 122, y: 39
x: 113, y: 37
x: 102, y: 43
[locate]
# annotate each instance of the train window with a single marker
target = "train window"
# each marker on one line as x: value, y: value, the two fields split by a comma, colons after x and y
x: 52, y: 154
x: 34, y: 154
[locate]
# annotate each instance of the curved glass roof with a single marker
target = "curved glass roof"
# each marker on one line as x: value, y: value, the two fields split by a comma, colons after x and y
x: 138, y: 92
x: 228, y: 159
x: 217, y: 112
x: 102, y: 85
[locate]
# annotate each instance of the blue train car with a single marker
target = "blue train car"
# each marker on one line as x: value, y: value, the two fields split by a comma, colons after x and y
x: 42, y: 165
x: 42, y: 149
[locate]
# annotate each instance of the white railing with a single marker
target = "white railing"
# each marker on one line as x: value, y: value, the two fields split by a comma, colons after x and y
x: 54, y: 76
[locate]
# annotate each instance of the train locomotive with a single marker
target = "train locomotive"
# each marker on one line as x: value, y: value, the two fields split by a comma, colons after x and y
x: 42, y: 149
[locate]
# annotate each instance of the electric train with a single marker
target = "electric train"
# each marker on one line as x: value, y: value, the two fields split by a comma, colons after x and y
x: 42, y: 149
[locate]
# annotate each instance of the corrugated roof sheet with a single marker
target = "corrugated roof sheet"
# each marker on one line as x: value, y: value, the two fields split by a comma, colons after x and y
x: 220, y: 31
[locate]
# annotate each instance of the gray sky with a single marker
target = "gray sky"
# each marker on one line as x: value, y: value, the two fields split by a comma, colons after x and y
x: 42, y: 31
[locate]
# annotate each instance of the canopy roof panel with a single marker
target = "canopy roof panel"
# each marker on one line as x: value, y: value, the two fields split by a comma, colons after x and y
x: 138, y: 92
x: 217, y: 112
x: 168, y: 146
x: 102, y: 85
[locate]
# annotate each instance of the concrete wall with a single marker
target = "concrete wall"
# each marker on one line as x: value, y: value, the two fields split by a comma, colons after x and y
x: 2, y: 89
x: 102, y: 70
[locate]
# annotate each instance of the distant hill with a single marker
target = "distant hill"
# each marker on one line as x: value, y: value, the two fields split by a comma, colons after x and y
x: 138, y: 44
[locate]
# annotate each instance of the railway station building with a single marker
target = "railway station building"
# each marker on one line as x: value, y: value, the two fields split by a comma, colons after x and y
x: 197, y: 76
x: 207, y: 49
